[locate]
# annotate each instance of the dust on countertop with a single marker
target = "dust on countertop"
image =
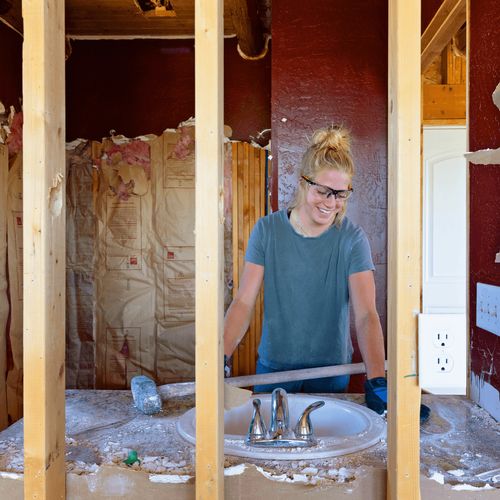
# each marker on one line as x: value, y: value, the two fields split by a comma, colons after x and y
x: 459, y: 445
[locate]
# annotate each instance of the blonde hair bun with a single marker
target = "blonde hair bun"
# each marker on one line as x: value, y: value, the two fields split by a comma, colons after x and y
x: 333, y: 137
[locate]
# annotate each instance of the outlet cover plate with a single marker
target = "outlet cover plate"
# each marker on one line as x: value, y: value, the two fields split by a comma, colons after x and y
x: 488, y: 308
x: 442, y: 353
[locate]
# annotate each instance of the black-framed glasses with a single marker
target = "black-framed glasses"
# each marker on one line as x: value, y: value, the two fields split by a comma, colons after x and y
x: 325, y: 192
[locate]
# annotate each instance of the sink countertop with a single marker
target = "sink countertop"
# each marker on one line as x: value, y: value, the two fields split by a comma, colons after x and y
x: 459, y: 442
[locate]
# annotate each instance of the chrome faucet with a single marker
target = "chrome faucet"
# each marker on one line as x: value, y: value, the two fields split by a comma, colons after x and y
x: 280, y: 418
x: 279, y: 433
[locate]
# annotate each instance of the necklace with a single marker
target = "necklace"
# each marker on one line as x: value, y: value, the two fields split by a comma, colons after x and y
x: 297, y: 225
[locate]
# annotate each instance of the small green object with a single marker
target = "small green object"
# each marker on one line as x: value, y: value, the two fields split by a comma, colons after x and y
x: 132, y: 458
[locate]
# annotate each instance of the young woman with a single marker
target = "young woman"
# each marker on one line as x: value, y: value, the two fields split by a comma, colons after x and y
x: 314, y: 262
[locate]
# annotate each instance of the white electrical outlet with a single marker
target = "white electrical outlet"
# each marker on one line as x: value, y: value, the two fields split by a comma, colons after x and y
x: 488, y: 308
x: 442, y: 339
x: 442, y: 353
x: 444, y: 362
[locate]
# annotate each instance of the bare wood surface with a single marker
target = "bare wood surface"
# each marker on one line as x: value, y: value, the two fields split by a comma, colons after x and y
x: 247, y: 26
x: 122, y: 19
x: 209, y: 253
x: 404, y: 250
x: 443, y: 26
x: 44, y: 258
x: 444, y: 102
x: 248, y: 193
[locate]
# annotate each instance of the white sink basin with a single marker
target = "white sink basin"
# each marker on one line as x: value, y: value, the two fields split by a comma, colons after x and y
x: 340, y: 427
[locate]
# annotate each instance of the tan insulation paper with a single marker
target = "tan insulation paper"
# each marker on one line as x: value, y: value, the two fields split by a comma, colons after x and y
x: 125, y: 281
x: 4, y: 301
x: 80, y: 261
x: 15, y: 273
x: 145, y: 277
x: 130, y: 261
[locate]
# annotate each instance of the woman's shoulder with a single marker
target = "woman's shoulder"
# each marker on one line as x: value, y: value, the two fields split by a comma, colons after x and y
x: 351, y: 230
x: 274, y: 218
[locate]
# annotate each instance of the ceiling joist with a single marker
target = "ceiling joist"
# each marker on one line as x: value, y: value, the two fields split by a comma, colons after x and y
x: 444, y: 25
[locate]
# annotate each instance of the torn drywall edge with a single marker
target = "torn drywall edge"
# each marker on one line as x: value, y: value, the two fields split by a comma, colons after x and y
x: 169, y: 478
x: 469, y: 487
x: 235, y: 470
x: 485, y: 395
x: 496, y: 96
x: 484, y: 157
x: 74, y: 144
x: 11, y: 475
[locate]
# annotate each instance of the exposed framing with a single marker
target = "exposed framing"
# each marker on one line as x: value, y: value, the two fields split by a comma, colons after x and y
x: 209, y: 243
x: 444, y: 25
x: 404, y: 250
x: 44, y: 254
x: 44, y: 249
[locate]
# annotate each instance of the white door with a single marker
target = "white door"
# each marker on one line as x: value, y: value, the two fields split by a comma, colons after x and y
x: 444, y: 220
x: 442, y: 326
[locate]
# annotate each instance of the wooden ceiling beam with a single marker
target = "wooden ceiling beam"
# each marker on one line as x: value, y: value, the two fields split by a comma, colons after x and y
x: 447, y: 21
x: 247, y: 26
x: 11, y: 15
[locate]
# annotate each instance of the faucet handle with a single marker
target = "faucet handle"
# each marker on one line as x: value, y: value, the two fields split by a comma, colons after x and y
x: 304, y: 428
x: 257, y: 428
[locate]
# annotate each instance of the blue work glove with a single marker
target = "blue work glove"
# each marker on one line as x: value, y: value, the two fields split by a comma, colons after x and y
x: 376, y: 398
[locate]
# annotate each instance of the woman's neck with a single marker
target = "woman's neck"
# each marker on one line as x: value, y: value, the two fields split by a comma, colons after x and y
x: 299, y: 221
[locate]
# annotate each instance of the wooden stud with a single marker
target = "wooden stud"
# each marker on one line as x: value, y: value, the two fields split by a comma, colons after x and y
x: 44, y: 248
x: 209, y: 242
x: 443, y: 26
x: 404, y: 249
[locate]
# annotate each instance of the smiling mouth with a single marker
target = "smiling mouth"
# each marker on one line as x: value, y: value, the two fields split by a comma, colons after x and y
x: 324, y: 211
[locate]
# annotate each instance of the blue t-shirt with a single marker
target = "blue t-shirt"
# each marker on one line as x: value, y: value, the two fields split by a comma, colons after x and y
x: 306, y: 291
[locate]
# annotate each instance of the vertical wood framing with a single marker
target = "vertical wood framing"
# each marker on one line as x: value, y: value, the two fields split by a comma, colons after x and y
x: 4, y: 301
x: 209, y: 249
x: 248, y: 174
x: 404, y: 249
x: 44, y: 248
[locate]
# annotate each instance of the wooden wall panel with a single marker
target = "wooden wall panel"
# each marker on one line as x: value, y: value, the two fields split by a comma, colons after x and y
x: 249, y: 170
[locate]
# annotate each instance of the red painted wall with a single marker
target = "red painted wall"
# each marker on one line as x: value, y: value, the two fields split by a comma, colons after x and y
x: 484, y: 132
x: 10, y: 67
x: 429, y: 9
x: 329, y: 65
x: 144, y: 86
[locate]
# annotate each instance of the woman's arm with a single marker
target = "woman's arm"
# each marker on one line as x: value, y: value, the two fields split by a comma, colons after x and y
x: 240, y: 311
x: 367, y: 322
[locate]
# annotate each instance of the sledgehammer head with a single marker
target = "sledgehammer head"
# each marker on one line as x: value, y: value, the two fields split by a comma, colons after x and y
x: 146, y: 397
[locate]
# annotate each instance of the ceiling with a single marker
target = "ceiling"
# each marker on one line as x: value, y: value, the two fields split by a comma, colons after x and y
x: 125, y: 19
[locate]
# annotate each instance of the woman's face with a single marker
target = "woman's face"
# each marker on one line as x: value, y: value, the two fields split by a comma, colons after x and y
x: 321, y: 210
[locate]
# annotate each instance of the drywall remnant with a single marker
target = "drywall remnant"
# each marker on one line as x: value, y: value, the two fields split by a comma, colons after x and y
x: 169, y: 478
x: 438, y: 477
x: 235, y: 470
x: 55, y: 195
x: 496, y: 96
x: 469, y: 487
x: 487, y: 156
x: 484, y: 157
